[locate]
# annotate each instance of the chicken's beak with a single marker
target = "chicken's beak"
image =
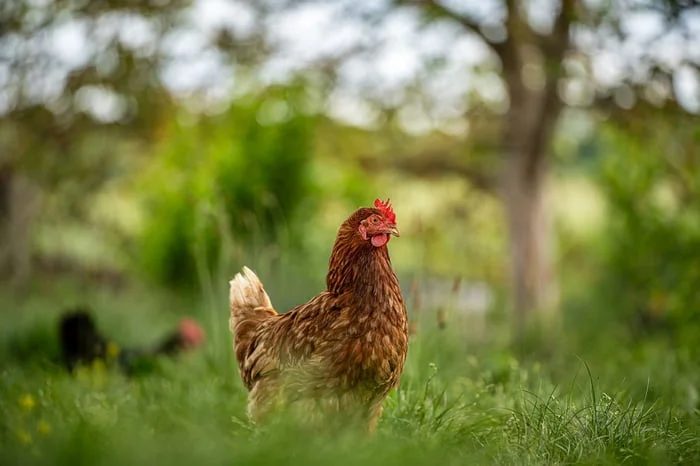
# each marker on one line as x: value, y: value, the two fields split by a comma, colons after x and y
x: 394, y: 230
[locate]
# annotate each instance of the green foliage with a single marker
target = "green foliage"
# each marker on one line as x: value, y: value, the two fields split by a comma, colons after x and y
x: 242, y: 176
x: 652, y: 185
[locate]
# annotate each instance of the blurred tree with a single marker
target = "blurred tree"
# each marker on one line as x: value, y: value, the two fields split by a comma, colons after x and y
x: 66, y: 106
x: 550, y: 56
x: 527, y: 128
x: 83, y: 87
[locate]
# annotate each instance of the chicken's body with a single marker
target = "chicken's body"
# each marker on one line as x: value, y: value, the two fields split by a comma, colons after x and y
x: 342, y: 351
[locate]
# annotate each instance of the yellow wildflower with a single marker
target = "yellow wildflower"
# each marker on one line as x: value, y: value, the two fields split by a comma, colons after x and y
x: 27, y: 402
x: 43, y: 427
x: 113, y: 350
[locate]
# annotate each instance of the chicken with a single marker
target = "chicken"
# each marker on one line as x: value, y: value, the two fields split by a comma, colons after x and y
x: 341, y: 352
x: 82, y: 343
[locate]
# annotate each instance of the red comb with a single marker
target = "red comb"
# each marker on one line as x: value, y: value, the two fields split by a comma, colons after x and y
x: 385, y: 208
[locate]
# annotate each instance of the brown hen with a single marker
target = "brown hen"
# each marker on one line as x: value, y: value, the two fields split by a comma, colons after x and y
x: 342, y: 351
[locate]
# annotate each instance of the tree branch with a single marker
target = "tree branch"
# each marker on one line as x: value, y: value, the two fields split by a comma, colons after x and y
x: 436, y: 9
x: 554, y: 49
x: 432, y: 164
x: 557, y: 42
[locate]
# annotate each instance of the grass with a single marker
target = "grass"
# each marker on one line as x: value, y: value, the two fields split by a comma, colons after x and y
x: 462, y: 399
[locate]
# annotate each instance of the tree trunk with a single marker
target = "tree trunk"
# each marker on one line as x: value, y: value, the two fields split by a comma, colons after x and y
x: 527, y: 134
x: 535, y: 287
x: 528, y: 129
x: 18, y: 206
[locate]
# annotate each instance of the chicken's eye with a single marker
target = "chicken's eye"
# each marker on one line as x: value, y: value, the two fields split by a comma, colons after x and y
x: 374, y: 220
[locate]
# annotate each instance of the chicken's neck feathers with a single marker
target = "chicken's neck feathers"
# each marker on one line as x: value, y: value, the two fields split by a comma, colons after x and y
x: 362, y: 270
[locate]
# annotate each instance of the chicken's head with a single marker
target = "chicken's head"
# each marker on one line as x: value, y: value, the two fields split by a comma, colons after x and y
x: 191, y: 334
x: 378, y: 227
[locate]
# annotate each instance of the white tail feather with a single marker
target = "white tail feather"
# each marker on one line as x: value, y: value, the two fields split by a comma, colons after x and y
x: 247, y: 292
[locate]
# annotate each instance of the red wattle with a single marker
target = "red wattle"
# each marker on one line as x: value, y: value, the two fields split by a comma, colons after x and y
x: 380, y: 240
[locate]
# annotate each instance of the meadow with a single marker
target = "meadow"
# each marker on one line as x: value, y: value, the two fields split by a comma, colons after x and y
x: 547, y: 153
x: 465, y: 396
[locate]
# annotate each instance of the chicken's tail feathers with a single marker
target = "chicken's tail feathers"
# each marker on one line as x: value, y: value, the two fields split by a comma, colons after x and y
x: 249, y: 304
x: 246, y: 291
x: 250, y: 307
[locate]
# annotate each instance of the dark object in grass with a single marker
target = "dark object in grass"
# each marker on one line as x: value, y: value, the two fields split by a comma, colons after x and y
x: 82, y: 343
